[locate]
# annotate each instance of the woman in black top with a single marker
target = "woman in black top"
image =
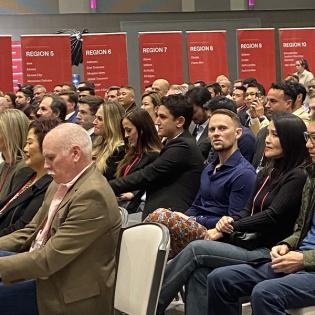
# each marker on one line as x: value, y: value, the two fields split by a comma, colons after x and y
x: 19, y: 207
x: 143, y: 147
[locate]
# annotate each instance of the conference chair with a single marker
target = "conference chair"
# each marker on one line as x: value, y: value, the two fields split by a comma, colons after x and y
x: 143, y: 252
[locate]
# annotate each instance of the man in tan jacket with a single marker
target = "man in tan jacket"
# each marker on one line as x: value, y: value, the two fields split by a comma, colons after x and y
x: 65, y: 261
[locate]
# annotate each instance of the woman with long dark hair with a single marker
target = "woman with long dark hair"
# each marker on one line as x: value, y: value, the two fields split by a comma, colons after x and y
x: 268, y: 218
x: 19, y: 207
x: 143, y: 147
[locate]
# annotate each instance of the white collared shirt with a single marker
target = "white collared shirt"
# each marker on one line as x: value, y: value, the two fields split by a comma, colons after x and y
x: 201, y: 128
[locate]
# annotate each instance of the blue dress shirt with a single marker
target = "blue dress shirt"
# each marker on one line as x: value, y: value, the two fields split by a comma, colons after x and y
x: 224, y: 192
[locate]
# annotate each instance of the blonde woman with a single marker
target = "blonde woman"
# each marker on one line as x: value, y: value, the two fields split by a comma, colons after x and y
x: 13, y: 131
x: 109, y: 146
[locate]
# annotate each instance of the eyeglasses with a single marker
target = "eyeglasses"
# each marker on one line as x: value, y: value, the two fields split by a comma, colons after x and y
x: 309, y: 136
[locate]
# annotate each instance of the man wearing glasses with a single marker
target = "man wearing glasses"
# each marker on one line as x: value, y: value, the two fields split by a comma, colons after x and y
x: 288, y: 281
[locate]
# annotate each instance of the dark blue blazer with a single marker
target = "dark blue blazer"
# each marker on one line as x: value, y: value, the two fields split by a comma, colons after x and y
x: 72, y: 118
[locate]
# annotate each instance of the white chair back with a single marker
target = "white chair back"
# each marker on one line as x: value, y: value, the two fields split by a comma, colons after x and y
x: 142, y: 257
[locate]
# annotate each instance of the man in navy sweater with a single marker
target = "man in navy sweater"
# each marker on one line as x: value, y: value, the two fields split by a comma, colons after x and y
x: 226, y: 185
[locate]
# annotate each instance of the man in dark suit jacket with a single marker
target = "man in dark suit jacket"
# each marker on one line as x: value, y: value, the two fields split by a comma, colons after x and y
x: 71, y: 99
x: 197, y: 97
x: 172, y: 179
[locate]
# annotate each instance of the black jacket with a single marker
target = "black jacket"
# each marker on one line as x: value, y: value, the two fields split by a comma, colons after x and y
x: 172, y: 180
x: 260, y: 147
x: 22, y: 210
x: 133, y: 205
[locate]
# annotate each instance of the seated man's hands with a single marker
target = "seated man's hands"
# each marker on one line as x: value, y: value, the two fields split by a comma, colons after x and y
x: 213, y: 235
x: 288, y: 263
x: 279, y: 250
x: 224, y: 225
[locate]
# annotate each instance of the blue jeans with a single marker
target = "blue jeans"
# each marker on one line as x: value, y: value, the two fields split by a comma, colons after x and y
x: 192, y: 266
x: 271, y: 293
x: 18, y: 298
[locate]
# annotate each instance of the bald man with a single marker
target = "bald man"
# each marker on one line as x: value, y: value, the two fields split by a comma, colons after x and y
x: 160, y: 86
x: 63, y: 261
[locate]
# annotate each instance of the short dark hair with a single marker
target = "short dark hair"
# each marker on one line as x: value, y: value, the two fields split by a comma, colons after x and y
x: 73, y: 97
x: 42, y: 126
x: 113, y: 88
x: 229, y: 113
x: 289, y: 91
x: 86, y: 88
x: 249, y: 80
x: 178, y: 106
x: 238, y: 81
x: 94, y: 102
x: 292, y: 78
x: 88, y: 84
x: 299, y: 88
x: 216, y: 87
x: 71, y: 86
x: 58, y: 105
x: 241, y: 88
x: 221, y: 102
x: 27, y: 90
x: 198, y: 96
x: 259, y: 86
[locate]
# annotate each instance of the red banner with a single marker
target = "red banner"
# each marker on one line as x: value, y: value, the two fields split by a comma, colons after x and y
x: 6, y: 79
x: 161, y: 57
x: 256, y: 55
x: 17, y: 64
x: 105, y: 60
x: 46, y: 59
x: 207, y: 56
x: 296, y: 43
